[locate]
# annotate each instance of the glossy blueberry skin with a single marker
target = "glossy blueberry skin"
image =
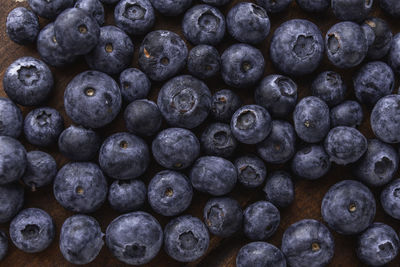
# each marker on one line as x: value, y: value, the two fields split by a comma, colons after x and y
x: 224, y: 103
x: 92, y: 7
x: 242, y: 65
x: 308, y: 243
x: 135, y: 17
x: 213, y: 175
x: 10, y: 118
x: 260, y: 254
x: 385, y: 119
x: 311, y: 162
x: 184, y: 101
x: 348, y: 207
x: 329, y: 87
x: 49, y: 9
x: 41, y: 168
x: 279, y: 189
x: 279, y: 146
x: 349, y: 113
x: 278, y: 94
x: 186, y: 238
x: 28, y: 81
x: 394, y: 54
x: 217, y: 140
x: 3, y: 245
x: 175, y: 148
x: 79, y: 144
x: 251, y: 124
x: 92, y: 99
x: 80, y: 187
x: 355, y: 10
x: 113, y: 52
x: 248, y: 23
x: 314, y: 6
x: 169, y: 193
x: 391, y: 7
x: 251, y: 171
x: 124, y: 156
x: 171, y: 8
x: 134, y: 85
x: 43, y: 126
x: 381, y: 35
x: 143, y: 117
x: 346, y: 45
x: 390, y: 199
x: 260, y: 220
x: 223, y: 216
x: 134, y: 238
x: 311, y: 119
x: 273, y: 6
x: 81, y: 239
x: 204, y: 61
x: 127, y: 195
x: 12, y: 160
x: 22, y: 26
x: 297, y: 47
x: 32, y: 230
x: 11, y: 201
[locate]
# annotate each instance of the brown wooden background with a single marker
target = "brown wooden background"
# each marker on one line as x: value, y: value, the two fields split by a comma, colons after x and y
x: 222, y: 252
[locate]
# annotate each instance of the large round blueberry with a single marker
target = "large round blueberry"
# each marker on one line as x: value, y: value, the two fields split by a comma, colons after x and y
x: 223, y: 104
x: 260, y: 254
x: 330, y: 87
x: 134, y: 238
x: 390, y: 199
x: 93, y: 7
x: 314, y: 6
x: 273, y: 6
x: 142, y: 117
x: 385, y: 119
x: 279, y: 189
x: 394, y: 54
x: 348, y: 207
x: 10, y: 118
x: 349, y: 113
x: 356, y: 10
x: 127, y: 195
x: 80, y: 187
x: 134, y: 85
x: 12, y: 160
x: 81, y: 239
x: 22, y: 26
x: 391, y: 7
x: 204, y: 61
x: 171, y: 7
x: 251, y: 171
x: 49, y: 9
x: 135, y: 17
x: 381, y: 37
x: 92, y: 99
x: 217, y: 140
x: 311, y: 162
x: 40, y: 170
x: 3, y: 245
x: 11, y: 201
x: 124, y: 156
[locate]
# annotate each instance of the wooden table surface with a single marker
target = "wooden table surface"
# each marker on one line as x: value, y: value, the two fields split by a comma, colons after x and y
x: 222, y: 252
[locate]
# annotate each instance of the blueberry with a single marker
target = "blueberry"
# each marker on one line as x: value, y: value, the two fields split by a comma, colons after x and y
x: 186, y: 238
x: 278, y: 94
x: 204, y: 61
x: 260, y: 254
x: 279, y: 146
x: 3, y: 245
x: 28, y: 81
x: 32, y: 230
x: 10, y: 118
x: 297, y: 47
x: 279, y: 189
x: 311, y: 119
x: 12, y: 160
x: 391, y: 7
x: 346, y: 45
x: 217, y: 140
x: 79, y: 144
x: 248, y: 23
x: 11, y: 201
x: 134, y: 238
x: 80, y: 187
x: 349, y: 113
x: 329, y: 87
x: 40, y: 170
x: 113, y: 52
x: 43, y: 126
x: 390, y: 199
x: 135, y: 17
x: 76, y: 31
x: 378, y: 245
x: 170, y: 193
x: 216, y: 2
x: 260, y: 220
x: 223, y: 216
x: 22, y: 26
x: 171, y: 7
x: 49, y: 9
x: 311, y: 162
x: 184, y: 101
x: 224, y: 103
x: 348, y: 207
x: 355, y: 10
x: 134, y: 84
x: 381, y: 37
x: 92, y: 99
x: 124, y: 156
x: 251, y: 171
x: 81, y: 239
x: 162, y: 55
x: 142, y: 117
x: 394, y: 54
x: 175, y: 148
x: 213, y: 175
x: 242, y: 65
x: 308, y: 243
x: 92, y: 7
x: 127, y: 195
x: 273, y: 6
x: 251, y: 124
x: 314, y: 6
x: 385, y: 122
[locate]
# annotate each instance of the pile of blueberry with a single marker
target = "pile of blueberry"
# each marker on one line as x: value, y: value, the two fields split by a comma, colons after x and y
x: 309, y: 135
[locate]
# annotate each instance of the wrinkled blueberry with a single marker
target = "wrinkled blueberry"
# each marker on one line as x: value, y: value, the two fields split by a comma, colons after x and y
x: 12, y: 160
x: 251, y: 171
x: 134, y: 85
x: 279, y: 189
x: 390, y: 199
x: 329, y: 87
x: 11, y: 119
x: 127, y: 195
x: 49, y: 9
x: 11, y: 201
x: 217, y: 140
x: 311, y: 162
x: 142, y: 117
x: 204, y: 61
x: 22, y: 26
x: 41, y: 168
x: 349, y: 113
x: 135, y: 17
x: 92, y: 7
x: 223, y: 104
x: 260, y: 254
